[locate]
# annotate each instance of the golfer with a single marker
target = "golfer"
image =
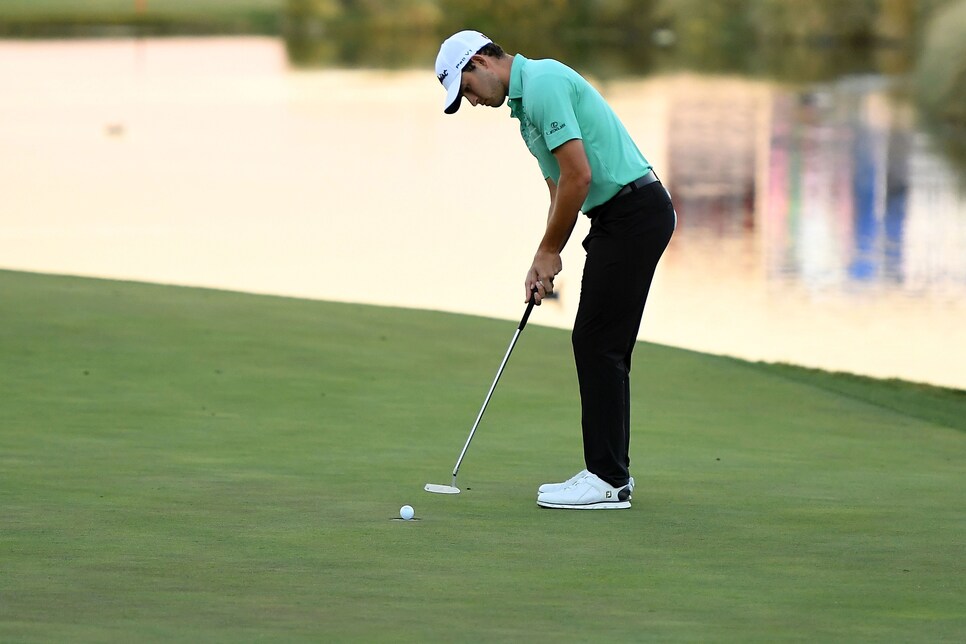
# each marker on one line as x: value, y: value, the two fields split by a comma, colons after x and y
x: 591, y: 165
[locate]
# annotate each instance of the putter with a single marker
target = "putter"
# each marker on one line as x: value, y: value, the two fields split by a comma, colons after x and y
x: 452, y: 489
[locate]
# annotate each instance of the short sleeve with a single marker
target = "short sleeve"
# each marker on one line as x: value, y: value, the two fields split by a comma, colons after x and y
x: 550, y: 102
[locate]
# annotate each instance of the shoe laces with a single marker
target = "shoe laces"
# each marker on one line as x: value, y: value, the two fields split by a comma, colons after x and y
x: 578, y: 479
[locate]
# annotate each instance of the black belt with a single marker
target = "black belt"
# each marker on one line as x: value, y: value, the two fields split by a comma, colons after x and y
x: 646, y: 180
x: 637, y: 184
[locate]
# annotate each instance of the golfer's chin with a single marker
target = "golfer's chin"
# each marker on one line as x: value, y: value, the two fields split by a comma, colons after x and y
x: 496, y: 103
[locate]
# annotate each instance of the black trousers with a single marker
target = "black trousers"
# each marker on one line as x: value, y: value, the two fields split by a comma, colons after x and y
x: 627, y: 237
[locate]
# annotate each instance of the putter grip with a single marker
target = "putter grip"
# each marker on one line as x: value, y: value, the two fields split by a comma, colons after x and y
x: 526, y: 315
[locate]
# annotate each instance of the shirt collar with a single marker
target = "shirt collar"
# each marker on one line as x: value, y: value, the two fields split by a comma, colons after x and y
x: 516, y: 77
x: 515, y: 90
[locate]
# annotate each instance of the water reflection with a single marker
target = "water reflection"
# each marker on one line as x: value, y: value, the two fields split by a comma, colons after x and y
x: 842, y: 190
x: 816, y: 227
x: 853, y: 189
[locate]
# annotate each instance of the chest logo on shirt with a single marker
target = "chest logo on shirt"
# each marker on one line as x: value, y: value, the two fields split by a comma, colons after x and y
x: 555, y: 127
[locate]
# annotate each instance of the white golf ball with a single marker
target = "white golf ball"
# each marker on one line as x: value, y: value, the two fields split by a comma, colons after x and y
x: 407, y: 512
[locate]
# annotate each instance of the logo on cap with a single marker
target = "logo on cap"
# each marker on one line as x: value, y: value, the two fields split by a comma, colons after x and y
x: 443, y: 76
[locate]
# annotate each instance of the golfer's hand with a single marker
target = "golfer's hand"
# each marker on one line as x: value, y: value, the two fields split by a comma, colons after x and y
x: 539, y: 280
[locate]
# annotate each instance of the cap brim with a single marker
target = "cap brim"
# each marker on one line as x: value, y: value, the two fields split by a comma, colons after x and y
x: 453, y: 98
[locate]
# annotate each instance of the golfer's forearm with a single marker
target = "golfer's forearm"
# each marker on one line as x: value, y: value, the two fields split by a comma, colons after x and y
x: 557, y: 236
x: 564, y: 210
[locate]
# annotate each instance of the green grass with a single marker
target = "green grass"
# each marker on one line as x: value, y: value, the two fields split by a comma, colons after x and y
x: 939, y: 405
x: 86, y: 18
x: 194, y: 465
x: 95, y: 8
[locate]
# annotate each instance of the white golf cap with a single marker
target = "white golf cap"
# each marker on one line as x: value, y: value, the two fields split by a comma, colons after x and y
x: 453, y: 55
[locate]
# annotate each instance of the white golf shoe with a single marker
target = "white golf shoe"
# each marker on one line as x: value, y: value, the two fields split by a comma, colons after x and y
x: 556, y: 487
x: 587, y: 493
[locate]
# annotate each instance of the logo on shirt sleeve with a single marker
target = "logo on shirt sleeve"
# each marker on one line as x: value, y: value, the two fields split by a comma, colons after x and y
x: 555, y: 127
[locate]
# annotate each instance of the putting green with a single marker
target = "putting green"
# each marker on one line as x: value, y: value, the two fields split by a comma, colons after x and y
x: 185, y: 464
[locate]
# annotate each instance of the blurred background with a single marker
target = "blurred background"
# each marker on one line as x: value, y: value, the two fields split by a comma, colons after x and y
x: 816, y: 153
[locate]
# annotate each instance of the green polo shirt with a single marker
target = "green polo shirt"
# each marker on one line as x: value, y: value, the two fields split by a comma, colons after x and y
x: 554, y: 104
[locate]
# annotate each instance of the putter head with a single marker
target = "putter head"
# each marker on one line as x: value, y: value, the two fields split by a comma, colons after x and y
x: 441, y: 489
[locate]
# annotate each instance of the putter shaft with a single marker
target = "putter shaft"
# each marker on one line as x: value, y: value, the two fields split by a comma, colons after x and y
x: 489, y: 394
